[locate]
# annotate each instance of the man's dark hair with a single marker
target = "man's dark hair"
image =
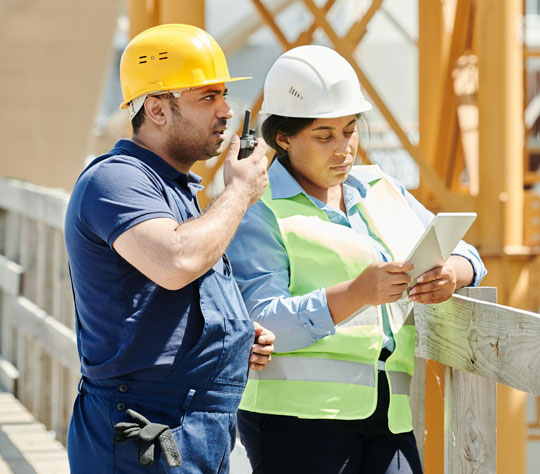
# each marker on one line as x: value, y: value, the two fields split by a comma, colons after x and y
x: 138, y: 120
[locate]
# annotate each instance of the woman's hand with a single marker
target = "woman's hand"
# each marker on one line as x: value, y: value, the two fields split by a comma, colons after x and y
x: 379, y: 283
x: 440, y: 283
x: 382, y: 282
x: 434, y: 286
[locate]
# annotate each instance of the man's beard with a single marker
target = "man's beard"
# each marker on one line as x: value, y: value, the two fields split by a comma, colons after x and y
x: 185, y: 147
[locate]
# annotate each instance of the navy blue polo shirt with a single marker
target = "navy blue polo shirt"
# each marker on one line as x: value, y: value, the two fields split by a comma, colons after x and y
x: 127, y: 325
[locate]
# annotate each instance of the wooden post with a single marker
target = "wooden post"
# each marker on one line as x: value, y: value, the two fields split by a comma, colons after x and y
x: 470, y: 420
x: 469, y: 404
x: 12, y: 252
x: 418, y: 404
x: 59, y: 382
x: 21, y: 359
x: 42, y: 380
x: 496, y: 342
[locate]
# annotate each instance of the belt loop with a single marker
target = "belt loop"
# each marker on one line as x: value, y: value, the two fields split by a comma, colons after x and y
x: 186, y: 403
x: 80, y: 385
x: 188, y: 399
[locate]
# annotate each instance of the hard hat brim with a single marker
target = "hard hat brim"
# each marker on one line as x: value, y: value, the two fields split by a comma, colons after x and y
x: 125, y: 104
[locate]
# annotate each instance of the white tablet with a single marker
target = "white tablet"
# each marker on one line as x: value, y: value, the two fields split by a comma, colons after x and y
x: 438, y: 241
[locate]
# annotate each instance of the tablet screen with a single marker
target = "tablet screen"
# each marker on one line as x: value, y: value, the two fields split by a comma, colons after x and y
x: 438, y: 241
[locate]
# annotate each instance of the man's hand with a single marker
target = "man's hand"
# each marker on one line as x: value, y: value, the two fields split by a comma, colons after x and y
x: 440, y: 283
x: 247, y: 176
x: 263, y: 347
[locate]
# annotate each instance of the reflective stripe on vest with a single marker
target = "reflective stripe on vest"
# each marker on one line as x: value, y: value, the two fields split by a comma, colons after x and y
x: 335, y: 377
x: 329, y: 370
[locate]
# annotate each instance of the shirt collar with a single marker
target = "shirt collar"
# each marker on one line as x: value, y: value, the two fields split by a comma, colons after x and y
x: 284, y: 186
x: 158, y: 164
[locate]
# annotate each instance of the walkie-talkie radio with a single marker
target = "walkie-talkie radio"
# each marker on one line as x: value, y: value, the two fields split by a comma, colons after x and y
x: 248, y: 141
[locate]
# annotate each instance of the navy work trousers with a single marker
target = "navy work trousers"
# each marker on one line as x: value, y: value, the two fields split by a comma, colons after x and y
x: 202, y: 422
x: 289, y: 445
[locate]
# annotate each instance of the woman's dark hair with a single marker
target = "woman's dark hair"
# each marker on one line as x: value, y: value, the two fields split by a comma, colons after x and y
x: 288, y: 126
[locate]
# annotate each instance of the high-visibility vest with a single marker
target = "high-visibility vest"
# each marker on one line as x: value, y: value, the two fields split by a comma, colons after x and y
x: 336, y: 377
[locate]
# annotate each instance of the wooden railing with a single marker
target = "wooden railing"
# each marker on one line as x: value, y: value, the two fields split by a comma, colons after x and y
x: 38, y: 347
x: 480, y: 342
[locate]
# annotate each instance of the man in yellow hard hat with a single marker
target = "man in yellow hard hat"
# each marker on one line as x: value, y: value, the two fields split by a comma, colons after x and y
x: 164, y: 338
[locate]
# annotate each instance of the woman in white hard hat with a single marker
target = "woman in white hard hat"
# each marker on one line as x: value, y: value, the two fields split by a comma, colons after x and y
x: 316, y: 261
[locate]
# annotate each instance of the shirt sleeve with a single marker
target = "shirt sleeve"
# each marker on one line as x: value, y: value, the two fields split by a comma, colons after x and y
x: 263, y: 278
x: 120, y: 194
x: 463, y: 249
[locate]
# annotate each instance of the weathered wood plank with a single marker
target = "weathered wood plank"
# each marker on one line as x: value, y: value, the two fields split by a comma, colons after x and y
x: 67, y: 306
x: 470, y: 423
x: 34, y: 202
x: 55, y: 338
x: 42, y: 376
x: 10, y: 276
x: 21, y: 364
x: 11, y: 240
x: 3, y: 230
x: 42, y: 403
x: 418, y: 401
x: 9, y: 376
x: 70, y: 385
x: 13, y: 284
x: 10, y: 283
x: 58, y: 421
x: 470, y: 414
x: 25, y: 348
x: 494, y: 341
x: 26, y: 446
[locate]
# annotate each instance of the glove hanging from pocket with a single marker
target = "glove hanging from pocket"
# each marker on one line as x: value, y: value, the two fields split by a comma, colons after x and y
x: 148, y: 433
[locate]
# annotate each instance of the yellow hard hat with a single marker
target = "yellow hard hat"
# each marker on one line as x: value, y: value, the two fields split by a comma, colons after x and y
x: 171, y: 57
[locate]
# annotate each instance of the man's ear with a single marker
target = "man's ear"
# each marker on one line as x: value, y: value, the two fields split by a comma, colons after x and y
x: 153, y: 108
x: 283, y: 141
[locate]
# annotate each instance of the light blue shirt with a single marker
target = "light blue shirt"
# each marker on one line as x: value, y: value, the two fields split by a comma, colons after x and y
x: 261, y: 265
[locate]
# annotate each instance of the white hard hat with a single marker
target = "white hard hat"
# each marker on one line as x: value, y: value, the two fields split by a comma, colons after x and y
x: 312, y: 82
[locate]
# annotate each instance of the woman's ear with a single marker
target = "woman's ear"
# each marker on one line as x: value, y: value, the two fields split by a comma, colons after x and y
x: 283, y: 141
x: 153, y: 108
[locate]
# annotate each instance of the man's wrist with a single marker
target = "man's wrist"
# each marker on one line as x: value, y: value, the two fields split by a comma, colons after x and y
x: 238, y: 193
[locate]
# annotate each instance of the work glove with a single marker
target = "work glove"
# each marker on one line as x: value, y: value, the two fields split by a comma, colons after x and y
x: 148, y: 433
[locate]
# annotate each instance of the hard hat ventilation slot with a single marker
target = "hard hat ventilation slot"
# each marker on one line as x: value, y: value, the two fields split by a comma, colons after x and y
x: 295, y: 93
x: 142, y: 59
x: 163, y: 57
